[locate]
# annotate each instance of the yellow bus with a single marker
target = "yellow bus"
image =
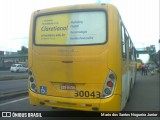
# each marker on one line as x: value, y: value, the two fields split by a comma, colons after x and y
x: 80, y: 57
x: 139, y: 64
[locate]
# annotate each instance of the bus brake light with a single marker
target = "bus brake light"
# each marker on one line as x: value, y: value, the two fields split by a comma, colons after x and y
x: 109, y: 84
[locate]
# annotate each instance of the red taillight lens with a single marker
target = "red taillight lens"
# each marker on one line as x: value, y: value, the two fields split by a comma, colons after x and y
x: 109, y: 84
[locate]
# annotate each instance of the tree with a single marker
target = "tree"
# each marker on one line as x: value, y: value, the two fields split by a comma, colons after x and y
x: 24, y: 50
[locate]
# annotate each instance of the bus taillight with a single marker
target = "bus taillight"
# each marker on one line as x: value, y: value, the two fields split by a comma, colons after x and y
x: 109, y: 85
x: 32, y: 82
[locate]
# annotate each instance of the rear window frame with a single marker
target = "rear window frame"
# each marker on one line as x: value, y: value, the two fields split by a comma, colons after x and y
x: 63, y: 12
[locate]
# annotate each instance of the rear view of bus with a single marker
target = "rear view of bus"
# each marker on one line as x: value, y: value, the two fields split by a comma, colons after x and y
x: 72, y: 61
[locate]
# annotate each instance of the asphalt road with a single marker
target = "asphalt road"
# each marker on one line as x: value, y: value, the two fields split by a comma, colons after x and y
x: 8, y: 73
x: 145, y: 95
x: 13, y: 85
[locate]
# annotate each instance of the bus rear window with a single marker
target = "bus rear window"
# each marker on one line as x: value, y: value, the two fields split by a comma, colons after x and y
x: 78, y: 28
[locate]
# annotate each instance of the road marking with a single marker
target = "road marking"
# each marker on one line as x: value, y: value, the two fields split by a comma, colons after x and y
x: 13, y: 101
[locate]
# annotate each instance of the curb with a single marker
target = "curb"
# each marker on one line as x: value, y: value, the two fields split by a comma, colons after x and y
x: 7, y: 95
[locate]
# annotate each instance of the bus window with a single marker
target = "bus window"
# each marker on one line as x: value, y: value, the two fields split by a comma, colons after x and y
x: 124, y: 56
x: 72, y: 28
x: 130, y: 50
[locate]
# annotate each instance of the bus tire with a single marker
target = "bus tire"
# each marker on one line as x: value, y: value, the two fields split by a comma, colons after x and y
x: 129, y: 96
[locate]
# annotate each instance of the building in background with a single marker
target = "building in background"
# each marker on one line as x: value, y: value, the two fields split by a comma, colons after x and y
x: 1, y: 53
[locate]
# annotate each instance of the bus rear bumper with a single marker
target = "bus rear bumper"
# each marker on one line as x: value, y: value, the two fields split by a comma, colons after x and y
x: 108, y: 104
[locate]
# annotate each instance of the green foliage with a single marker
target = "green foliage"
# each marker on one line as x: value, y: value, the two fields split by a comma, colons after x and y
x: 24, y: 50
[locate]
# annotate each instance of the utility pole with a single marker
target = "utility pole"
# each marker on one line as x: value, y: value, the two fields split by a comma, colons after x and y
x: 159, y: 58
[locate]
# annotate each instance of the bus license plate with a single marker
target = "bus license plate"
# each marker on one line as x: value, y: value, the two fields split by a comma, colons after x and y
x: 68, y: 87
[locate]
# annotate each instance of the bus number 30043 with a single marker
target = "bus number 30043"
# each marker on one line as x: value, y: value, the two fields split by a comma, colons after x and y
x: 94, y: 94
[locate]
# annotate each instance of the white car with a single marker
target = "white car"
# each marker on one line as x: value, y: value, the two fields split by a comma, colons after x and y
x: 18, y: 68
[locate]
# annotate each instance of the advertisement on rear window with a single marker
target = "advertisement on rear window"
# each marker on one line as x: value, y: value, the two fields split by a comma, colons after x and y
x: 71, y: 28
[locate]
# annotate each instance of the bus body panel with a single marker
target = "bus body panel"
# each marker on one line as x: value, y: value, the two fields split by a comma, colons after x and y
x: 109, y: 104
x: 83, y: 72
x: 114, y: 46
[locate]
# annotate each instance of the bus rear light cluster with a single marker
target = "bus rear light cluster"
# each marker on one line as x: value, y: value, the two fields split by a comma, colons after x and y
x: 109, y: 85
x: 32, y: 82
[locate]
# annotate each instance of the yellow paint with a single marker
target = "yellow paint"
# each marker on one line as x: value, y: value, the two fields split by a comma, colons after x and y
x: 85, y: 67
x: 52, y: 29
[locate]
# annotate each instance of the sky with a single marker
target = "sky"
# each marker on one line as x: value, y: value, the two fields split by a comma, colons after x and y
x: 141, y: 18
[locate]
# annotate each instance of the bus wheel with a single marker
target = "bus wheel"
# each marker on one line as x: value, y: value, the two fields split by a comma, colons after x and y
x: 129, y: 96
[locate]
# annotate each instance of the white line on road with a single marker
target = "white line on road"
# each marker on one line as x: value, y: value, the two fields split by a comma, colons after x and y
x: 13, y: 101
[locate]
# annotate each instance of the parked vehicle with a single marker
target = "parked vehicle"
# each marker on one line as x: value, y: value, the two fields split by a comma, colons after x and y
x: 18, y: 68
